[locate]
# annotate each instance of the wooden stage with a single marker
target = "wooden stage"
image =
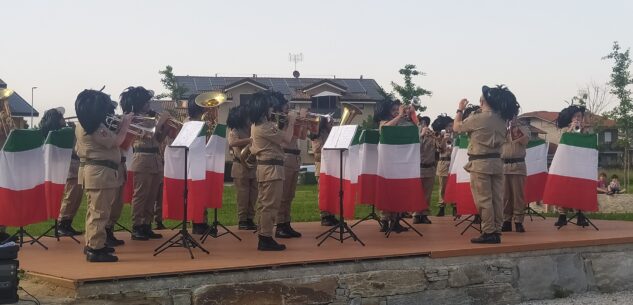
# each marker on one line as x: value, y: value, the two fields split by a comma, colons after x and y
x: 65, y: 265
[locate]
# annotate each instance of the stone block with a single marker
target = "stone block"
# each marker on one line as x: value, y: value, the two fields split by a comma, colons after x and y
x: 465, y: 275
x: 181, y: 299
x: 571, y: 275
x: 620, y: 203
x: 536, y: 277
x: 498, y: 294
x: 383, y: 283
x: 432, y: 297
x: 612, y: 271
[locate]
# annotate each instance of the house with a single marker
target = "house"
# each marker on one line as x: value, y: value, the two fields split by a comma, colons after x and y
x: 320, y: 95
x: 545, y: 121
x: 19, y: 108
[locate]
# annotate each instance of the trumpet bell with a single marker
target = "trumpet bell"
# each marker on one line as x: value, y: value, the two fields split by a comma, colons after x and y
x: 5, y: 93
x: 349, y: 112
x: 210, y: 99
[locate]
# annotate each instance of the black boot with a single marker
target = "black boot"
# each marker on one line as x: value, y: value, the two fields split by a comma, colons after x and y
x: 395, y: 226
x: 111, y: 240
x: 138, y: 233
x: 100, y: 256
x: 199, y: 228
x: 384, y: 225
x: 582, y: 220
x: 421, y: 219
x: 329, y: 221
x: 247, y: 225
x: 284, y: 230
x: 105, y: 249
x: 562, y: 220
x: 151, y: 234
x: 487, y: 238
x: 160, y: 226
x: 406, y: 215
x: 519, y: 227
x: 64, y: 228
x: 267, y: 243
x: 442, y: 211
x: 506, y: 227
x: 454, y: 210
x: 477, y: 220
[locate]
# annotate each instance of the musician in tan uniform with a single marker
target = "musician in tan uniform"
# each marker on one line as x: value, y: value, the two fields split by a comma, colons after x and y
x: 487, y: 131
x: 443, y: 128
x: 292, y: 163
x: 117, y: 208
x: 317, y: 140
x: 147, y: 164
x: 514, y: 173
x: 428, y: 147
x: 266, y: 146
x: 98, y: 151
x: 244, y: 178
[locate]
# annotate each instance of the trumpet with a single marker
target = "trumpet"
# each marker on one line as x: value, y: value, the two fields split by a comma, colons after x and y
x: 171, y: 127
x: 302, y: 124
x: 113, y: 122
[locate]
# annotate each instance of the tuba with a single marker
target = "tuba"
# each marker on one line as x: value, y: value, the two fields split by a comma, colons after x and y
x: 210, y: 101
x: 348, y: 113
x: 6, y: 121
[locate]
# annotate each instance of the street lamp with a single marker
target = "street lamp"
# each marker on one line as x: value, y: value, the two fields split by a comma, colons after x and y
x: 32, y: 109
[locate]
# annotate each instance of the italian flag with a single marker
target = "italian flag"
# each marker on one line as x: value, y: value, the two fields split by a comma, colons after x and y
x: 329, y: 183
x: 128, y: 190
x: 22, y: 200
x: 464, y: 200
x: 571, y: 182
x: 368, y: 175
x: 449, y: 192
x: 58, y: 148
x: 174, y: 178
x: 215, y: 159
x: 400, y: 187
x: 536, y: 164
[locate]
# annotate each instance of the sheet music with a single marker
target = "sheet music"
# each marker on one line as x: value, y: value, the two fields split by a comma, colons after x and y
x: 340, y: 137
x: 188, y: 133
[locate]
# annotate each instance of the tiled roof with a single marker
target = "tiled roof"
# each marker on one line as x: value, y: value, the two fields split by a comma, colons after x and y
x: 551, y: 117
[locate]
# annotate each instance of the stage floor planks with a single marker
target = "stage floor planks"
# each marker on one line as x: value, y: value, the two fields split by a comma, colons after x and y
x: 65, y: 264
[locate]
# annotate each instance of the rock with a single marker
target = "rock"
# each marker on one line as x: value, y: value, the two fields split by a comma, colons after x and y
x: 536, y: 277
x: 181, y: 299
x: 620, y: 203
x: 383, y: 283
x: 493, y: 294
x: 432, y: 297
x: 612, y: 271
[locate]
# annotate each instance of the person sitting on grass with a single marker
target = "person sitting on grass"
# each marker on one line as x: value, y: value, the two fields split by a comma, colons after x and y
x: 602, y: 183
x: 614, y: 186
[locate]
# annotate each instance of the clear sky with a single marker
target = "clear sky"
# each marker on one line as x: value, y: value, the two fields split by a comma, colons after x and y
x: 543, y: 50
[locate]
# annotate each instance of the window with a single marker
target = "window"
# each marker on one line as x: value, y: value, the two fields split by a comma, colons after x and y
x: 607, y: 137
x: 323, y: 104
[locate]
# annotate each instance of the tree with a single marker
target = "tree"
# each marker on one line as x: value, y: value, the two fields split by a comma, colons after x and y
x: 596, y: 99
x: 410, y: 90
x: 386, y: 95
x: 169, y: 81
x: 623, y: 112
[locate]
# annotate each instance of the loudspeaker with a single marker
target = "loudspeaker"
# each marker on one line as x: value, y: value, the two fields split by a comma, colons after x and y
x: 9, y: 281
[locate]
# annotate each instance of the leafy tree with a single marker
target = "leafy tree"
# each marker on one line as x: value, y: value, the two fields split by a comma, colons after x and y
x: 410, y: 90
x: 596, y: 99
x: 169, y: 81
x: 386, y: 95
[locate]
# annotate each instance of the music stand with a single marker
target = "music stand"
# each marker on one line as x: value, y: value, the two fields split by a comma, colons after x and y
x: 182, y: 239
x: 20, y: 233
x: 471, y: 220
x: 371, y: 216
x: 213, y: 229
x: 529, y: 211
x: 577, y: 216
x: 54, y: 228
x: 121, y: 228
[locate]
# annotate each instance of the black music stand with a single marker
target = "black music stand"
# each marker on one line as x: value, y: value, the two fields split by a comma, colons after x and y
x: 55, y: 233
x: 371, y: 216
x: 20, y: 233
x: 182, y: 239
x: 529, y: 211
x: 471, y: 221
x: 213, y: 229
x: 408, y: 225
x: 577, y: 216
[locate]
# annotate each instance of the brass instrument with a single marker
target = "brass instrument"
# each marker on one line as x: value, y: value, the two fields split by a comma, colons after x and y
x: 348, y: 113
x: 302, y: 124
x: 210, y: 101
x: 247, y: 159
x: 6, y: 121
x: 171, y: 127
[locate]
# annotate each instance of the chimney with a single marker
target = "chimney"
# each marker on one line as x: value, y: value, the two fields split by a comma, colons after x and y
x: 361, y: 76
x: 254, y: 75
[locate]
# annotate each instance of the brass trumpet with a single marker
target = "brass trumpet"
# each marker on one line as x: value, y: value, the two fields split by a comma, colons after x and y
x: 302, y: 124
x: 112, y: 122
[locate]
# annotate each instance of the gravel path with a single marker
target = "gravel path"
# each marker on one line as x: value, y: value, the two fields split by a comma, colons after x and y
x: 594, y: 298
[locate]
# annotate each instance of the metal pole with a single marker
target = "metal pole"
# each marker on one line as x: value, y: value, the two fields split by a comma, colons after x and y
x: 32, y: 109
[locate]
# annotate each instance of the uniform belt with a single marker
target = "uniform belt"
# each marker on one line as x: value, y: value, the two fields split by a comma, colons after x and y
x: 146, y: 150
x: 484, y: 156
x: 236, y: 160
x: 270, y: 162
x: 74, y: 156
x: 427, y: 165
x: 292, y: 151
x: 104, y: 163
x: 445, y: 159
x: 123, y: 159
x: 513, y: 160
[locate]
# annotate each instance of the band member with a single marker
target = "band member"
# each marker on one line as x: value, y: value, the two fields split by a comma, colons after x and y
x: 117, y: 207
x: 571, y: 119
x: 244, y: 178
x: 514, y: 173
x: 292, y: 163
x: 267, y: 148
x: 428, y: 147
x: 147, y: 164
x: 392, y: 113
x: 99, y: 154
x: 195, y: 113
x: 443, y: 127
x: 318, y: 139
x: 487, y: 132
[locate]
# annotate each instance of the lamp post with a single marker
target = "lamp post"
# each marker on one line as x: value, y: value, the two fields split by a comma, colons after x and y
x: 32, y: 109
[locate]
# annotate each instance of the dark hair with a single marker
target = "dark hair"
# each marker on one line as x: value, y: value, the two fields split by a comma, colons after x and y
x: 502, y: 100
x: 51, y: 120
x: 383, y: 110
x: 323, y: 124
x: 469, y: 110
x: 193, y: 110
x: 91, y: 107
x: 134, y: 98
x: 237, y: 118
x: 441, y: 122
x: 426, y: 120
x: 565, y: 116
x: 259, y: 105
x: 279, y: 102
x: 614, y: 176
x: 603, y: 174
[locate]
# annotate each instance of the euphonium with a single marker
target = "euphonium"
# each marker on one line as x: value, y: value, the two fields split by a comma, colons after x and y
x: 6, y: 122
x: 247, y: 159
x: 210, y: 101
x: 348, y: 113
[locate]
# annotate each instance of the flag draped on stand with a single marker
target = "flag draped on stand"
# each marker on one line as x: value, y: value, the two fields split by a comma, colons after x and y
x: 399, y: 187
x: 22, y: 200
x: 174, y: 183
x: 368, y: 174
x: 128, y: 190
x: 460, y: 189
x: 536, y: 164
x: 449, y: 192
x: 330, y: 174
x: 58, y: 148
x: 215, y: 159
x: 571, y: 182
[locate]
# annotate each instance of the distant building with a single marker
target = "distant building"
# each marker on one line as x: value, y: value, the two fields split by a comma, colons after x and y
x: 19, y: 108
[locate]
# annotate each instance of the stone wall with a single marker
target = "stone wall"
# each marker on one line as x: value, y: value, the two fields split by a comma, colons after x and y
x: 494, y: 279
x: 619, y: 203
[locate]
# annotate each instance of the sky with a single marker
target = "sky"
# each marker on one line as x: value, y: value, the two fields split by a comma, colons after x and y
x: 544, y: 51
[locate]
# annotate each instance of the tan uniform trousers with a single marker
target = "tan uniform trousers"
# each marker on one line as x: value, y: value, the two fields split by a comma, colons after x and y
x: 513, y: 198
x: 290, y: 186
x: 246, y: 197
x: 100, y: 201
x: 443, y: 180
x: 158, y: 205
x: 146, y: 187
x: 268, y: 199
x: 487, y: 192
x: 117, y: 207
x: 427, y: 186
x: 73, y: 193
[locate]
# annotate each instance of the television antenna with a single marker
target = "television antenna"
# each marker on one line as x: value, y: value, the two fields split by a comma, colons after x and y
x: 295, y: 58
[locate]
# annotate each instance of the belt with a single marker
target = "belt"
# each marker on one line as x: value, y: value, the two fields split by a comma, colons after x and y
x: 292, y: 151
x: 104, y: 163
x: 513, y: 160
x: 270, y: 162
x: 484, y: 156
x: 445, y: 159
x: 74, y: 156
x: 123, y: 159
x: 152, y: 150
x: 427, y: 165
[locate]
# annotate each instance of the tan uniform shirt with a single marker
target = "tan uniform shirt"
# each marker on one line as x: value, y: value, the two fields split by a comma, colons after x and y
x: 427, y: 156
x: 147, y: 162
x: 267, y: 139
x: 514, y: 150
x: 487, y: 132
x: 445, y: 153
x: 237, y: 169
x: 292, y: 161
x: 100, y: 145
x: 73, y: 170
